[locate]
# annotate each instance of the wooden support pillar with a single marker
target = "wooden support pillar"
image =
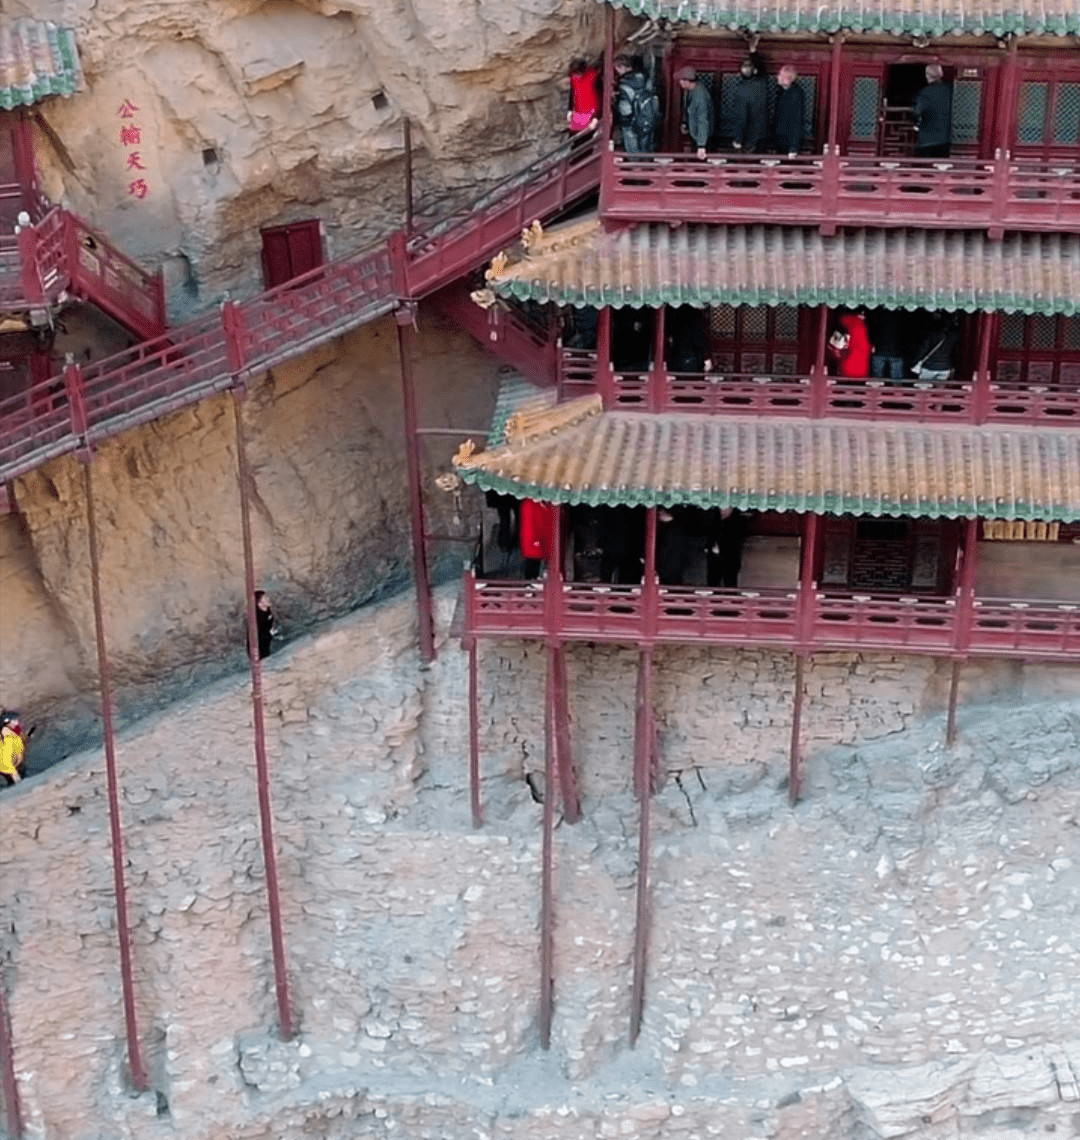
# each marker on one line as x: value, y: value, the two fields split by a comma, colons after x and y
x: 954, y: 688
x: 832, y: 138
x: 474, y: 734
x: 1008, y: 99
x: 658, y: 371
x: 807, y: 583
x: 605, y: 377
x: 547, y: 911
x: 965, y: 615
x: 564, y: 757
x: 644, y: 758
x: 406, y: 131
x: 608, y: 92
x: 795, y: 757
x: 262, y: 768
x: 819, y: 375
x: 650, y: 585
x: 425, y: 622
x: 987, y: 333
x: 12, y: 1109
x: 116, y: 834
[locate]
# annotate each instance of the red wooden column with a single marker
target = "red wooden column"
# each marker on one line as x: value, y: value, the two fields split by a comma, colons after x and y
x: 650, y: 585
x: 819, y: 376
x: 557, y: 673
x: 12, y: 1108
x: 830, y: 162
x: 405, y: 316
x: 116, y: 834
x: 547, y: 901
x: 608, y: 93
x: 987, y: 333
x: 474, y: 732
x: 965, y: 614
x: 262, y: 768
x: 1007, y: 99
x: 605, y: 377
x: 658, y: 372
x: 807, y: 589
x: 644, y: 739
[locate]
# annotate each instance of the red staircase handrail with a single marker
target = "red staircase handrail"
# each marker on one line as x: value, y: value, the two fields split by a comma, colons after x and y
x: 216, y: 350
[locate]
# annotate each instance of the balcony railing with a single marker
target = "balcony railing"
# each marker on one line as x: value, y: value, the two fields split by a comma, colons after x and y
x: 817, y: 620
x: 971, y: 401
x: 829, y: 190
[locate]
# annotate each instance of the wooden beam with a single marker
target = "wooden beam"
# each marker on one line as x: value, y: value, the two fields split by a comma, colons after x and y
x: 474, y: 735
x: 547, y: 902
x: 795, y: 758
x: 564, y: 757
x: 644, y: 748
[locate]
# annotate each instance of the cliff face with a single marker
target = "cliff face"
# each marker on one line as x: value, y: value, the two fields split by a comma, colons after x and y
x: 255, y: 114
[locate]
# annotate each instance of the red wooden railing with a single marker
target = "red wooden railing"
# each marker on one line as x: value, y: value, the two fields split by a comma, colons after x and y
x: 206, y: 355
x: 713, y: 393
x: 830, y: 190
x: 817, y: 620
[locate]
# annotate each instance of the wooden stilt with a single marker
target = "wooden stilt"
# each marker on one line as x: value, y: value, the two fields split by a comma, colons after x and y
x: 474, y: 735
x: 12, y: 1109
x: 547, y: 914
x: 954, y: 689
x: 123, y: 929
x: 565, y: 763
x: 644, y: 737
x: 794, y: 761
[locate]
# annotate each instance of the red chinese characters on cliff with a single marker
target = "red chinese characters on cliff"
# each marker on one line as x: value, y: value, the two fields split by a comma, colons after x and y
x: 131, y: 136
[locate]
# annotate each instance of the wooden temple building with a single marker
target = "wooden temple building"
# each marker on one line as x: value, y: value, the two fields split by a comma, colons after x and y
x: 934, y: 516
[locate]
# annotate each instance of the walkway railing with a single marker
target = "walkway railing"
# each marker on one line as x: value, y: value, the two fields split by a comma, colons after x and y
x: 206, y: 355
x: 971, y: 401
x: 829, y: 190
x: 816, y: 621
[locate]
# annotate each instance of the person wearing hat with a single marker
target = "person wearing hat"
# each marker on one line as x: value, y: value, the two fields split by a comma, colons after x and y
x: 12, y: 749
x: 698, y: 115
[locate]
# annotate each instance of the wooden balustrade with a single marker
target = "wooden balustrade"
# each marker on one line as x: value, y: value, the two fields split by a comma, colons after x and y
x: 832, y: 620
x: 829, y: 190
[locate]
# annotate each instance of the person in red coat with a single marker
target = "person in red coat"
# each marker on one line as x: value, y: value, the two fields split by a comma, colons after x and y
x: 583, y: 106
x: 850, y: 347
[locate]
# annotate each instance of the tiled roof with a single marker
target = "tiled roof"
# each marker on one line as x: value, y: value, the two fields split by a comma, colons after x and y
x: 652, y: 264
x: 901, y: 17
x: 37, y: 58
x: 823, y: 466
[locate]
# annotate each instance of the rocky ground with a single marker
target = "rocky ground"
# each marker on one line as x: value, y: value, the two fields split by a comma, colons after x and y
x: 895, y: 956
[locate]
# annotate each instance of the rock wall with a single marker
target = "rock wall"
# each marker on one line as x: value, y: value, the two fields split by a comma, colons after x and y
x: 253, y: 114
x: 893, y: 957
x: 329, y: 518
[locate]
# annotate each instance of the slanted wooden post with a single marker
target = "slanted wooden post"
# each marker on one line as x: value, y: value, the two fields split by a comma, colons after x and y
x: 12, y: 1108
x: 547, y: 843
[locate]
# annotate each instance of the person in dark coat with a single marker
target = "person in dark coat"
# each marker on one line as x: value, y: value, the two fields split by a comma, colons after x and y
x: 934, y: 360
x: 265, y: 625
x: 631, y: 340
x: 887, y: 338
x: 698, y: 114
x: 933, y: 115
x: 749, y: 109
x: 789, y: 113
x: 687, y: 340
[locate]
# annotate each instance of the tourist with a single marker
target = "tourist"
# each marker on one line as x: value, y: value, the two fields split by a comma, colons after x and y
x: 934, y: 359
x: 583, y: 107
x: 698, y: 114
x: 12, y: 749
x: 749, y: 109
x: 850, y: 347
x: 933, y: 115
x: 266, y: 628
x: 887, y: 335
x: 790, y: 112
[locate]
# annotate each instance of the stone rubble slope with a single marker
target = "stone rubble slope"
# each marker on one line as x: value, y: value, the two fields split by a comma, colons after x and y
x: 893, y: 957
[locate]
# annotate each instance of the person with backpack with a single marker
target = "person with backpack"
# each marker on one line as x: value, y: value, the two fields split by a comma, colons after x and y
x: 637, y: 108
x: 12, y: 748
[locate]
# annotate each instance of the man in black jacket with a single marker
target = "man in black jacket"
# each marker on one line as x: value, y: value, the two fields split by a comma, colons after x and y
x: 933, y: 115
x: 749, y: 109
x: 789, y: 113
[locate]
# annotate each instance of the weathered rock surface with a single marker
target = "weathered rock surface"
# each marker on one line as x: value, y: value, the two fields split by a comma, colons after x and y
x: 895, y: 957
x: 254, y: 114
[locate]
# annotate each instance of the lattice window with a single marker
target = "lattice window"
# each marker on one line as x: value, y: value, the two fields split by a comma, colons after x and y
x: 1043, y: 332
x: 1031, y: 122
x: 787, y: 323
x: 808, y: 83
x: 727, y: 96
x: 1067, y: 114
x: 1012, y: 331
x: 1071, y: 335
x: 722, y: 322
x: 755, y: 323
x: 966, y: 104
x: 866, y: 96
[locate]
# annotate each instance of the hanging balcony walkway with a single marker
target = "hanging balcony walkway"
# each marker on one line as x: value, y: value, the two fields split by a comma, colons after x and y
x: 210, y: 354
x: 833, y: 190
x: 815, y: 621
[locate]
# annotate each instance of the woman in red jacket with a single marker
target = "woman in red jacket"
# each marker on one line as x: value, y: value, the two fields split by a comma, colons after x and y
x: 850, y: 347
x: 583, y: 110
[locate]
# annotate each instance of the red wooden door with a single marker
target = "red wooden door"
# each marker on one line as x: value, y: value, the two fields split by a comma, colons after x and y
x: 288, y: 251
x: 1048, y: 114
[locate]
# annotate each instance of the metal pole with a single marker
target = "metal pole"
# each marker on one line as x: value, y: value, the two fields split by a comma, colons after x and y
x: 474, y: 735
x: 794, y: 767
x: 12, y: 1110
x: 643, y: 764
x: 116, y: 835
x: 547, y: 915
x: 425, y: 623
x: 567, y: 780
x: 407, y: 130
x: 262, y: 768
